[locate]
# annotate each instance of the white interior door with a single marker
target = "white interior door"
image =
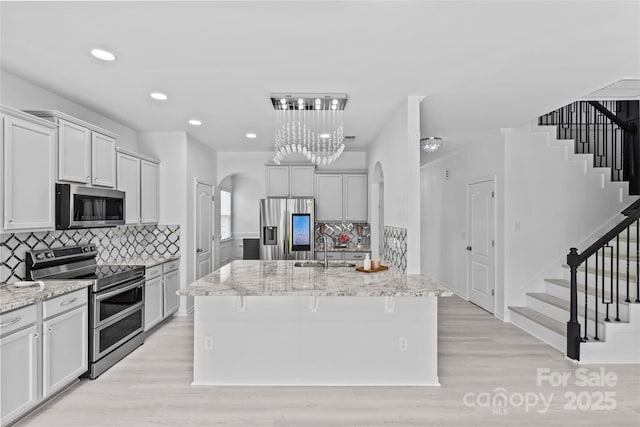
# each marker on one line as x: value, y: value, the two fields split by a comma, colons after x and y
x: 203, y: 229
x: 481, y: 229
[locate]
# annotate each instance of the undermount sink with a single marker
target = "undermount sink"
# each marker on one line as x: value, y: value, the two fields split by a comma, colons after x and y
x: 321, y: 264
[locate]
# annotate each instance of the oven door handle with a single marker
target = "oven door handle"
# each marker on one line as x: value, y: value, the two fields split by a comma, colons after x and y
x: 138, y: 284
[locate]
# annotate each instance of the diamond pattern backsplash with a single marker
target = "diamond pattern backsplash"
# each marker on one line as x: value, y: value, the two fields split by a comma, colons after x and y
x: 112, y: 243
x: 349, y: 229
x: 395, y: 246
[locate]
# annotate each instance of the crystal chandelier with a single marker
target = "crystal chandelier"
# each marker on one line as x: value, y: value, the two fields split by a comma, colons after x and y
x: 430, y: 144
x: 310, y: 125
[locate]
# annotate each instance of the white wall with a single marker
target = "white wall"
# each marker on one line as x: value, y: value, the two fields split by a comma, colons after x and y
x: 444, y: 212
x: 19, y: 93
x: 396, y: 148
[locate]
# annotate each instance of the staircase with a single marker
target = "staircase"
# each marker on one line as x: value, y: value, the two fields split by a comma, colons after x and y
x: 592, y: 312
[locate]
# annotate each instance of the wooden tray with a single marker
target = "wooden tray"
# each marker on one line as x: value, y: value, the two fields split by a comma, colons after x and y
x: 362, y: 270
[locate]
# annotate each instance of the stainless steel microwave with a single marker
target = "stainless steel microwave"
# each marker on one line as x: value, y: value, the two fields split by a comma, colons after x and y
x: 79, y: 206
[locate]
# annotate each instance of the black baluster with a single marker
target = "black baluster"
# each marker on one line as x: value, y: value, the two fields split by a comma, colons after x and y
x: 606, y: 319
x: 595, y: 337
x: 628, y: 255
x: 637, y: 260
x: 617, y: 277
x: 586, y: 297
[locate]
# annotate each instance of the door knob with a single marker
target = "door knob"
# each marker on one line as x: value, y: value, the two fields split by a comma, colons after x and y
x: 468, y: 248
x: 199, y: 250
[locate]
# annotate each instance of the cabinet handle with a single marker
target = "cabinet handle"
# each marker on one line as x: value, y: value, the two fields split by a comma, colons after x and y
x: 10, y: 221
x: 35, y: 336
x: 95, y: 179
x: 50, y: 328
x: 89, y: 178
x: 69, y: 301
x: 11, y: 322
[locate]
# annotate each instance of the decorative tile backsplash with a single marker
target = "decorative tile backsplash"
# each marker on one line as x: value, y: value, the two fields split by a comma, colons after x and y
x: 395, y: 246
x: 349, y: 229
x: 112, y: 243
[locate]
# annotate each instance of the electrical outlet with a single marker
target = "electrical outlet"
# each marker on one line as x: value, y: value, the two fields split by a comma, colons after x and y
x: 402, y: 344
x: 208, y: 342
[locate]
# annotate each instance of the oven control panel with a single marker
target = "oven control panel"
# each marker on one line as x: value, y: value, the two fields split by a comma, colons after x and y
x: 64, y: 253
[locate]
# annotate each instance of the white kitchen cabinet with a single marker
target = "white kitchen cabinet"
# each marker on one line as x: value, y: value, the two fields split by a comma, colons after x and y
x: 342, y: 197
x: 28, y: 159
x: 103, y: 160
x: 64, y: 349
x: 128, y: 180
x: 171, y: 285
x: 19, y: 372
x: 74, y: 152
x: 277, y: 181
x: 86, y: 153
x: 329, y: 200
x: 138, y: 176
x: 149, y: 191
x: 153, y: 302
x: 356, y: 207
x: 290, y: 181
x: 301, y: 181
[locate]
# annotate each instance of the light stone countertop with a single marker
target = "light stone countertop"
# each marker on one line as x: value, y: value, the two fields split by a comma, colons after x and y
x: 281, y: 278
x: 146, y: 260
x: 12, y: 297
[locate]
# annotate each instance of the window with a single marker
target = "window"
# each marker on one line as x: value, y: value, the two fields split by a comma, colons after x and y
x: 225, y: 214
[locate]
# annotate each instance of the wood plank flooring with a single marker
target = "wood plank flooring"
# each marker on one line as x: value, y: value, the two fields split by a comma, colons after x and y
x: 478, y: 353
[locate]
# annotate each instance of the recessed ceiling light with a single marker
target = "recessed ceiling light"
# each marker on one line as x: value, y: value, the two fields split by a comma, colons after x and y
x: 103, y: 55
x: 251, y: 135
x: 324, y: 135
x: 159, y: 96
x: 195, y: 122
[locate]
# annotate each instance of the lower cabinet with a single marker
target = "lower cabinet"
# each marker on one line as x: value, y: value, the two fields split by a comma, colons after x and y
x: 64, y: 349
x: 18, y: 370
x: 160, y: 299
x: 43, y: 349
x: 153, y: 304
x: 344, y: 256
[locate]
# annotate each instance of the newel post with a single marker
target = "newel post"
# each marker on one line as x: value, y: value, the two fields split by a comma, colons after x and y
x: 573, y: 327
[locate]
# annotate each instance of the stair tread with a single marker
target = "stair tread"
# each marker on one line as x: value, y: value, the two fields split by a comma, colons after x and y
x: 541, y: 319
x: 565, y: 305
x: 590, y: 290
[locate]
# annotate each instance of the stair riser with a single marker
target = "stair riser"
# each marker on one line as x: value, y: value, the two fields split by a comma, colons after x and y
x: 622, y: 284
x: 565, y: 293
x: 552, y: 338
x: 562, y: 315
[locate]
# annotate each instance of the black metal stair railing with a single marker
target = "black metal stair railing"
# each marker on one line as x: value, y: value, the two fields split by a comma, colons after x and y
x: 606, y: 129
x: 613, y: 257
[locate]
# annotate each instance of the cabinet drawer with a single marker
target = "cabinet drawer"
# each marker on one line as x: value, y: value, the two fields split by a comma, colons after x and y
x: 64, y: 302
x: 171, y: 266
x: 355, y: 255
x: 17, y: 319
x: 330, y: 255
x: 153, y: 272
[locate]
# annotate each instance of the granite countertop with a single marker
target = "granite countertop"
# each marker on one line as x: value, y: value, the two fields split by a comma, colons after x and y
x: 320, y: 249
x: 146, y: 260
x: 12, y: 297
x: 262, y: 278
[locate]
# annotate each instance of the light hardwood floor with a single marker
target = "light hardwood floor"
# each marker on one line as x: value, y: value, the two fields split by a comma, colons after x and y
x: 477, y: 352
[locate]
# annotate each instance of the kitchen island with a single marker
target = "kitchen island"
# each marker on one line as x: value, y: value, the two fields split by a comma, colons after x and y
x: 273, y: 323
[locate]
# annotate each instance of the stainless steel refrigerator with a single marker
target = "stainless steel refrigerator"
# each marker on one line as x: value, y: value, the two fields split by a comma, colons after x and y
x: 287, y: 228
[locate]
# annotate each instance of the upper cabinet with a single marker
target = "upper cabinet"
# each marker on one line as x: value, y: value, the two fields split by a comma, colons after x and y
x: 341, y: 197
x: 290, y: 181
x: 138, y: 177
x: 28, y: 166
x: 86, y: 153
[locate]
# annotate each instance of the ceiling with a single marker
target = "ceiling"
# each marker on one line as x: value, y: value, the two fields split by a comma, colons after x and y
x: 481, y: 65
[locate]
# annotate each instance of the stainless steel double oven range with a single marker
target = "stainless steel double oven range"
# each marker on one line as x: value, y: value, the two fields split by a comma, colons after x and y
x: 116, y: 300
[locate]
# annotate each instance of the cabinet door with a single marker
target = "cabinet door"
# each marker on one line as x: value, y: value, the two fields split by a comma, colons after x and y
x: 18, y: 370
x: 355, y: 198
x: 301, y: 181
x: 29, y: 175
x: 74, y: 152
x: 128, y: 180
x: 149, y: 192
x: 103, y: 160
x: 171, y: 285
x: 277, y: 181
x: 64, y: 349
x: 328, y: 197
x: 153, y: 302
